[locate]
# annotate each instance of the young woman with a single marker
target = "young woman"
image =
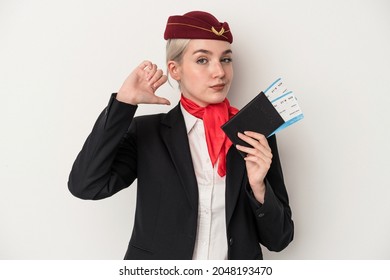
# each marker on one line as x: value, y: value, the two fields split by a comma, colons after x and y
x: 197, y: 197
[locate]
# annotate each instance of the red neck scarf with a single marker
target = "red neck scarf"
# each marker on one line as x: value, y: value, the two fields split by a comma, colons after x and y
x: 213, y: 115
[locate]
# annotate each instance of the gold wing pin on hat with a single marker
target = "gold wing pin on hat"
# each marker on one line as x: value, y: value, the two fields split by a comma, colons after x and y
x: 220, y: 33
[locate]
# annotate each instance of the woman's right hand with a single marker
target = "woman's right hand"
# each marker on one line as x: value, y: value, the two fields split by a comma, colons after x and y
x: 140, y: 86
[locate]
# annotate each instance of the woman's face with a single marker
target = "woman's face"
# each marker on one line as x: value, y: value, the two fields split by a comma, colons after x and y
x: 205, y: 71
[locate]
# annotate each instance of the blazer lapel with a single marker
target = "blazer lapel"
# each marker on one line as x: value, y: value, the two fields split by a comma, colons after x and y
x: 235, y: 174
x: 174, y: 134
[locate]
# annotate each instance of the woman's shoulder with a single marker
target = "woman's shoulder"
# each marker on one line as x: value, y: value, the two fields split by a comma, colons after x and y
x: 168, y: 117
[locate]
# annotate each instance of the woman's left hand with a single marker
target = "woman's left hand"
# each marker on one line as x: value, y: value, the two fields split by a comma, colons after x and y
x: 258, y: 161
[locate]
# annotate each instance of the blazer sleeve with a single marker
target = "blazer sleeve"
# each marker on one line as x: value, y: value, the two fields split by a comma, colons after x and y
x: 274, y: 223
x: 104, y: 165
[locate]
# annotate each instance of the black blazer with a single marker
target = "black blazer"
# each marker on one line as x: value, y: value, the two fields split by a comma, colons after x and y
x: 154, y: 149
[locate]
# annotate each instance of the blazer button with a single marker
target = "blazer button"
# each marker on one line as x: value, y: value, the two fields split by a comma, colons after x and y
x: 231, y: 241
x: 260, y: 215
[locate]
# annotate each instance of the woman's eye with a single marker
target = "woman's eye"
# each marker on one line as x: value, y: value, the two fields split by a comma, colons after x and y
x: 227, y: 60
x: 201, y: 61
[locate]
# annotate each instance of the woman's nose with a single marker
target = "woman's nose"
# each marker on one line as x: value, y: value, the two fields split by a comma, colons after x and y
x: 218, y: 70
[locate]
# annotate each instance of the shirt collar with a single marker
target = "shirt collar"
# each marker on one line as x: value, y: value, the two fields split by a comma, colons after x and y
x: 189, y: 119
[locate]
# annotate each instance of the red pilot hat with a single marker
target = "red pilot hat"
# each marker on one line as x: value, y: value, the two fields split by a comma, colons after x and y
x: 197, y: 25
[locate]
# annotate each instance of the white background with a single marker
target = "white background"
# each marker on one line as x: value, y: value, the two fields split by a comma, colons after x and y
x: 61, y: 60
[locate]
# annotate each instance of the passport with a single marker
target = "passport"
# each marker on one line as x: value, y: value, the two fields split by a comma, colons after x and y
x: 259, y: 115
x: 271, y: 111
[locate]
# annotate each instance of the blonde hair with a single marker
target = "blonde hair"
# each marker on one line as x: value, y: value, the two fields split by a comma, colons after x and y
x: 175, y: 49
x: 174, y: 52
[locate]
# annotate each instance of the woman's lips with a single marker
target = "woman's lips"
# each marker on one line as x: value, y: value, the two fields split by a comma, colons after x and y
x: 218, y: 87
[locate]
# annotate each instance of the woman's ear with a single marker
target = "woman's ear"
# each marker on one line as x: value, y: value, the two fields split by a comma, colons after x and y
x: 174, y: 70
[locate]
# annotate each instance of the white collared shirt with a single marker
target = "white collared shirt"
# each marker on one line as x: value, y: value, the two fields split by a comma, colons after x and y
x: 211, y: 239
